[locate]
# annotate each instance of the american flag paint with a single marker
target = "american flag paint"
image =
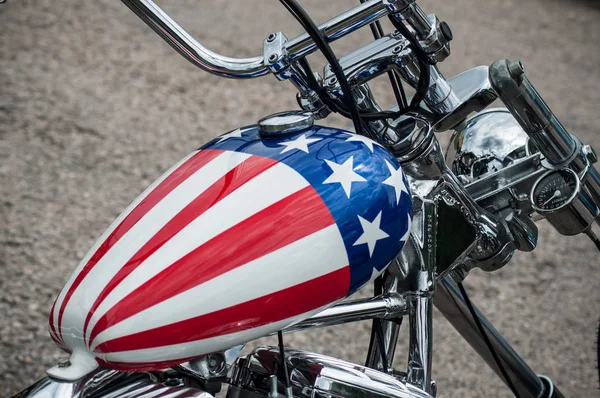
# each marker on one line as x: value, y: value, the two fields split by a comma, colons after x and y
x: 239, y: 239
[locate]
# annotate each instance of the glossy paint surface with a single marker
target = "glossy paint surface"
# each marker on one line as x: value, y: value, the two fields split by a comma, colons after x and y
x: 240, y: 239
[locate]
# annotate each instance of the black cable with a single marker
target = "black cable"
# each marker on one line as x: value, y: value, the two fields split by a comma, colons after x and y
x: 487, y: 339
x: 307, y: 73
x: 313, y: 31
x: 283, y: 361
x: 396, y: 83
x: 351, y: 111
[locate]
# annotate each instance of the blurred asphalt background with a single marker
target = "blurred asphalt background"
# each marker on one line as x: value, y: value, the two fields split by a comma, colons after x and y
x: 94, y: 106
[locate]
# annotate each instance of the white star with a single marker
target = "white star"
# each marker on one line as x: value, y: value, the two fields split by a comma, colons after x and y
x: 360, y: 138
x: 371, y: 233
x: 406, y: 235
x: 375, y: 273
x: 301, y: 143
x: 395, y: 180
x: 343, y: 174
x: 237, y: 133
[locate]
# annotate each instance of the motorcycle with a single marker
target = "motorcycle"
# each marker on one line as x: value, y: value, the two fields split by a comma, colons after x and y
x: 165, y: 300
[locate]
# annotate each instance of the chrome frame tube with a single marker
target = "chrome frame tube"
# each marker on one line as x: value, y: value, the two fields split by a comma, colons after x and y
x: 178, y: 38
x: 451, y: 304
x: 421, y: 342
x: 384, y: 306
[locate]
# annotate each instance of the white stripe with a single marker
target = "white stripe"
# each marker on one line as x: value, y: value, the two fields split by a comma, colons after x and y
x: 197, y: 348
x: 110, y: 230
x: 252, y: 197
x: 91, y: 286
x: 313, y: 256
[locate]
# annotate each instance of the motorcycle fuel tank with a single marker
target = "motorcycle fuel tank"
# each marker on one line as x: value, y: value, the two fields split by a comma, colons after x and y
x: 240, y: 239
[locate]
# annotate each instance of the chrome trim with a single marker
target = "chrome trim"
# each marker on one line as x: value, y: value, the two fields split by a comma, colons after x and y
x: 576, y: 215
x: 314, y: 375
x: 420, y: 342
x: 220, y: 65
x: 532, y: 113
x: 386, y: 306
x: 190, y: 48
x: 107, y: 383
x: 282, y: 123
x: 337, y: 27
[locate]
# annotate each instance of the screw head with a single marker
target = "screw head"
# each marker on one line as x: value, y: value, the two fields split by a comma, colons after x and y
x: 273, y: 58
x: 64, y: 363
x: 271, y: 37
x: 397, y: 49
x: 332, y: 81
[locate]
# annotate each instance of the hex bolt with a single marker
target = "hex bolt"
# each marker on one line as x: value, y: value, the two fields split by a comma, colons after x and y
x: 271, y: 37
x: 273, y: 58
x: 516, y: 70
x: 216, y: 363
x: 64, y: 363
x: 397, y: 49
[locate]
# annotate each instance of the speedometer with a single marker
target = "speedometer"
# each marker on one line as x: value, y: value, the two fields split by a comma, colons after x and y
x: 554, y: 190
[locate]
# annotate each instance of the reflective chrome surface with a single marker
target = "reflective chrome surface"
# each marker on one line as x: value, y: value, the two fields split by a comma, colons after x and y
x: 112, y: 384
x: 314, y: 375
x: 574, y: 216
x: 532, y: 113
x: 486, y: 143
x: 283, y: 123
x: 390, y: 305
x: 217, y: 64
x: 190, y: 48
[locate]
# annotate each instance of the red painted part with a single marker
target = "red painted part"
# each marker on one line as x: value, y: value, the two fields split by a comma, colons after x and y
x: 251, y: 314
x: 254, y: 237
x: 235, y: 178
x: 164, y: 188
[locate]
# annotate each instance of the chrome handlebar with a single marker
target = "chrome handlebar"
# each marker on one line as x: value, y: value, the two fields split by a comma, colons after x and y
x: 245, y: 68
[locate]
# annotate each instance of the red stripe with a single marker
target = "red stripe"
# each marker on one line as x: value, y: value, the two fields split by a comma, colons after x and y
x: 280, y: 305
x: 182, y: 173
x: 51, y: 322
x: 276, y: 226
x: 235, y: 178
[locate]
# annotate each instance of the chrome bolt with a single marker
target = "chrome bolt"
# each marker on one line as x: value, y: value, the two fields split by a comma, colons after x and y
x: 590, y: 154
x: 271, y: 37
x: 332, y: 81
x: 433, y: 388
x: 397, y: 49
x: 273, y: 58
x: 64, y: 363
x: 216, y: 363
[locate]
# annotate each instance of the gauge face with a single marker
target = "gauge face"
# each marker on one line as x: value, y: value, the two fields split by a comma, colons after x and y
x: 554, y: 190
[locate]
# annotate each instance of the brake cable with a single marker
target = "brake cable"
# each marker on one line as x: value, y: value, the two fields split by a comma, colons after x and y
x: 313, y: 31
x: 350, y: 110
x: 486, y: 339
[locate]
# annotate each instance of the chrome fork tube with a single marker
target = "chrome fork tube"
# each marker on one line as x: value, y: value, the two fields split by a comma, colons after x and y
x: 451, y: 304
x: 421, y: 341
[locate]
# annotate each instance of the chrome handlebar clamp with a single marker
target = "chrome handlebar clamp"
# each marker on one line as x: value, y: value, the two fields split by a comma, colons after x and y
x: 432, y: 35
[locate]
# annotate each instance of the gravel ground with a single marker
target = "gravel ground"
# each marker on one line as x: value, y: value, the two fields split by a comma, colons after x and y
x: 93, y: 107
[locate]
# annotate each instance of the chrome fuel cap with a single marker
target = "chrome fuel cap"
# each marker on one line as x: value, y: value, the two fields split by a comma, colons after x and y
x: 285, y: 123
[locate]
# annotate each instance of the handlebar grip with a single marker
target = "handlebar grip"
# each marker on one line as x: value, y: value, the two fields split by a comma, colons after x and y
x: 532, y: 113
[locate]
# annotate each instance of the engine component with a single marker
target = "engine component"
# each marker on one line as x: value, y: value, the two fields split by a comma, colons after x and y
x: 313, y: 375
